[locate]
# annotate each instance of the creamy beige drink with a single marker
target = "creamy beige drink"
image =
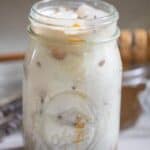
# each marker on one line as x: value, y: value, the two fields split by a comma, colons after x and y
x: 72, y: 77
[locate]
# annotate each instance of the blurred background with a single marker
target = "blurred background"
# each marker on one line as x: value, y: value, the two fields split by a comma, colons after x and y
x: 135, y: 114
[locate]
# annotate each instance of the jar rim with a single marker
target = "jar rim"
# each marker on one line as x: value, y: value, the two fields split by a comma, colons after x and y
x: 37, y: 16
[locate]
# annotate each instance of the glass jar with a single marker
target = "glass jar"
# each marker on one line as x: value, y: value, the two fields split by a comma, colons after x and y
x: 72, y: 83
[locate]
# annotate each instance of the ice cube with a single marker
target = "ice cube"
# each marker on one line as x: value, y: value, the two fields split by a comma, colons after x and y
x: 61, y: 12
x: 85, y: 11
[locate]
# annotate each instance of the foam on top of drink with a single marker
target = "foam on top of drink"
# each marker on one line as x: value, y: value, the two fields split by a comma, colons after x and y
x: 78, y: 18
x: 84, y: 11
x: 60, y: 13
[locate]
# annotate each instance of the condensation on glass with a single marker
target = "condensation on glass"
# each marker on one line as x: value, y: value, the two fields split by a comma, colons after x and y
x: 72, y: 81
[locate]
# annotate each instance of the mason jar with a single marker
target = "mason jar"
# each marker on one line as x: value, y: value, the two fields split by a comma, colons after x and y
x: 72, y: 82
